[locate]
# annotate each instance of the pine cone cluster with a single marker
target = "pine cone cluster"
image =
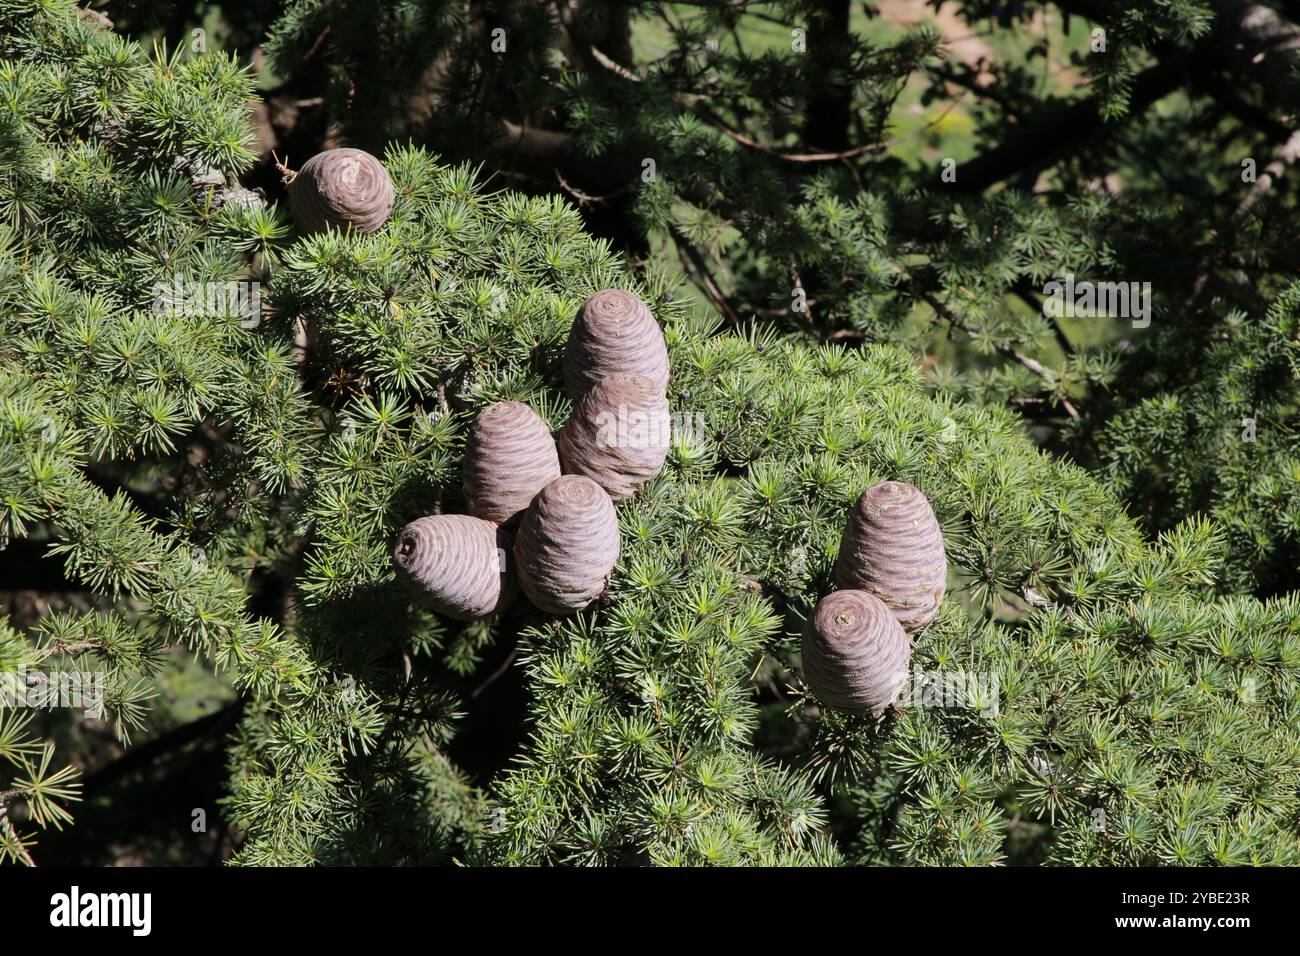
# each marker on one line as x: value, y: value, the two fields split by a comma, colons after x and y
x: 892, y: 574
x: 558, y: 501
x: 343, y: 188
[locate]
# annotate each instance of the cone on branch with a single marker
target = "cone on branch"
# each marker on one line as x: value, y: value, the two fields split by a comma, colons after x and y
x: 455, y: 564
x: 893, y: 548
x: 613, y: 334
x: 509, y: 457
x: 344, y: 188
x: 567, y: 545
x: 855, y: 654
x: 618, y: 435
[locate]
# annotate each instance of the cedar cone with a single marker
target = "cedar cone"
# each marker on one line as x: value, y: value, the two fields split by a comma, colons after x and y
x: 855, y: 655
x: 453, y: 564
x: 341, y: 188
x: 567, y: 544
x: 618, y: 435
x: 509, y: 458
x: 893, y: 548
x: 614, y: 334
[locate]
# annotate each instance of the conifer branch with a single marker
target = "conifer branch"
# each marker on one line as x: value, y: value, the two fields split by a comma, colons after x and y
x: 1028, y: 362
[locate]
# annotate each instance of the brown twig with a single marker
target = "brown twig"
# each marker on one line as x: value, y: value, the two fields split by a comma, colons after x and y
x: 496, y: 674
x: 287, y: 175
x: 316, y: 45
x: 614, y: 66
x: 744, y: 140
x: 586, y: 199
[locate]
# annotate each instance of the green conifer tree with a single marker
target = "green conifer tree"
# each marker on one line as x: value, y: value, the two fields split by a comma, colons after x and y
x: 234, y: 488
